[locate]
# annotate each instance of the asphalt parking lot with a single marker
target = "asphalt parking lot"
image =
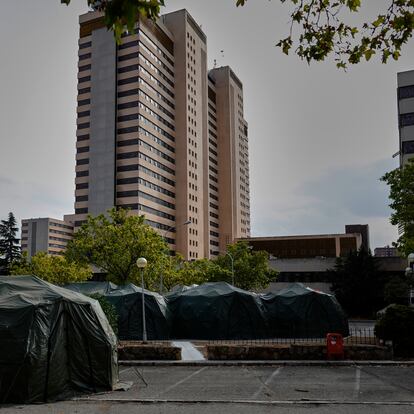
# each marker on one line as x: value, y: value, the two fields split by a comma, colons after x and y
x: 238, y: 389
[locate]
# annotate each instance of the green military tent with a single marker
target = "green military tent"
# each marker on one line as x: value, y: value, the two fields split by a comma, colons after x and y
x: 301, y: 312
x: 216, y: 311
x: 53, y: 342
x: 127, y: 301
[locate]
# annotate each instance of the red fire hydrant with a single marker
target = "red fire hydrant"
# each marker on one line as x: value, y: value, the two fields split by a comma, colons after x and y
x: 334, y: 346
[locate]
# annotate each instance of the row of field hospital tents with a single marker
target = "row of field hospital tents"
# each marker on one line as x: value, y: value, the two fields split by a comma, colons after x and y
x: 221, y: 311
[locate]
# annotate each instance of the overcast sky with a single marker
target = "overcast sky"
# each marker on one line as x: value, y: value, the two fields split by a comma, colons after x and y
x: 319, y: 138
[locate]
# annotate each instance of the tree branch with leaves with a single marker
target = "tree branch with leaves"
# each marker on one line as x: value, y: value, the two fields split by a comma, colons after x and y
x: 318, y: 28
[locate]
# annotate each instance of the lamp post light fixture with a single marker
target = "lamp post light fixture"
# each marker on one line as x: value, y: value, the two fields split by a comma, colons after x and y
x: 165, y: 238
x: 408, y: 272
x: 141, y: 263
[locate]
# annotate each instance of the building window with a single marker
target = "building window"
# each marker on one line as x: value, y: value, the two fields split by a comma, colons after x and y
x: 406, y: 92
x: 84, y: 79
x: 82, y: 173
x: 82, y: 186
x: 407, y: 119
x: 80, y: 150
x: 82, y: 162
x: 81, y: 198
x: 84, y: 126
x: 81, y: 210
x: 408, y: 147
x: 85, y: 56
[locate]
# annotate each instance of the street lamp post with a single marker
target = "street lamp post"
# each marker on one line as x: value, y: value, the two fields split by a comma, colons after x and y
x: 232, y: 267
x: 232, y: 263
x: 165, y: 238
x: 141, y: 263
x: 409, y: 272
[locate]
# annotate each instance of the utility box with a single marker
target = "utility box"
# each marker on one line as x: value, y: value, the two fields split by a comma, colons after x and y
x: 334, y: 346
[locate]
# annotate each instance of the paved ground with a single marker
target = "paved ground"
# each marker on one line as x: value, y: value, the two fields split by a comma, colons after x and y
x: 352, y: 389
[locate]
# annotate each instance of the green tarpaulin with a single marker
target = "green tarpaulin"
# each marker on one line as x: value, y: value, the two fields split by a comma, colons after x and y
x: 216, y: 311
x: 53, y: 342
x: 128, y: 304
x: 301, y: 312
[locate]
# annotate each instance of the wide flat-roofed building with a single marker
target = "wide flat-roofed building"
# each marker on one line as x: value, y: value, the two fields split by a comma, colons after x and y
x: 47, y: 235
x: 311, y: 246
x: 160, y: 134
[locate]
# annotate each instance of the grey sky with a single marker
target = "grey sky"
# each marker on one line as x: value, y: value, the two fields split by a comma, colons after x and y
x: 319, y: 138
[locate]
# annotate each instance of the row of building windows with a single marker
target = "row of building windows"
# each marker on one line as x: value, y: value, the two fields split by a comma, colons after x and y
x: 81, y: 150
x: 84, y: 79
x: 407, y: 119
x: 142, y: 81
x: 83, y: 102
x: 156, y: 104
x: 159, y: 61
x: 83, y: 114
x: 85, y: 45
x: 64, y: 233
x: 156, y: 81
x: 160, y: 51
x: 137, y: 193
x: 83, y: 161
x: 214, y: 224
x: 156, y: 70
x: 84, y: 67
x: 58, y: 239
x: 81, y: 198
x: 82, y: 173
x: 161, y: 227
x: 63, y: 226
x: 406, y: 92
x: 82, y: 186
x: 149, y: 210
x: 85, y: 56
x: 156, y: 116
x: 57, y: 246
x: 145, y: 120
x: 156, y: 175
x: 150, y: 160
x: 82, y: 91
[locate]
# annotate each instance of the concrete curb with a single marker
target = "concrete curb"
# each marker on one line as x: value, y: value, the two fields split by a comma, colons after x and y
x: 264, y: 363
x: 241, y: 402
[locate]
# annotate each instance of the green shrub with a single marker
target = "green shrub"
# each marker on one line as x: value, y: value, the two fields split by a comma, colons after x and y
x: 109, y: 311
x: 397, y: 324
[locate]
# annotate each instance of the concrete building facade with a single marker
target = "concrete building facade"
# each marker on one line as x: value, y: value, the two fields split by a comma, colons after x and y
x: 47, y: 235
x: 160, y: 134
x: 405, y: 93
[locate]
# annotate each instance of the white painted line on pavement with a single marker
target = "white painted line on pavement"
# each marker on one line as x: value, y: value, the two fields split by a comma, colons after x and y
x: 267, y: 382
x: 181, y: 381
x: 357, y: 386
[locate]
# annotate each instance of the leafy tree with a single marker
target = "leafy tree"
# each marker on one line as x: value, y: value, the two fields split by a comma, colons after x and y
x: 251, y: 269
x: 397, y: 325
x: 357, y: 283
x: 322, y: 27
x: 109, y: 310
x: 53, y: 269
x: 401, y: 183
x: 114, y: 242
x: 397, y: 290
x: 9, y: 243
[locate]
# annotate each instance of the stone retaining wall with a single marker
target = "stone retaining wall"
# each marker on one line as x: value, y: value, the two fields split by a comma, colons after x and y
x: 293, y: 352
x: 149, y: 352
